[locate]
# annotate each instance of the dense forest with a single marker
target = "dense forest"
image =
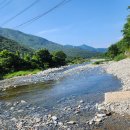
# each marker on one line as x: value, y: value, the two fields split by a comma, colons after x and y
x: 13, y: 46
x: 121, y: 49
x: 41, y: 59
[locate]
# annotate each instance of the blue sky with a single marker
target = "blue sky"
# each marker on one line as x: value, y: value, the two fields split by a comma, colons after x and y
x: 97, y: 23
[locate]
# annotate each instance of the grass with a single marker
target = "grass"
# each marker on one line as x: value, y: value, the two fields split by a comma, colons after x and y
x: 119, y: 57
x: 20, y: 73
x: 78, y: 61
x: 101, y: 62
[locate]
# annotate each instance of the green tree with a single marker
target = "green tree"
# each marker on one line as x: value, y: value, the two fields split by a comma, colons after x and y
x: 11, y: 62
x: 113, y: 51
x: 59, y: 58
x: 43, y: 58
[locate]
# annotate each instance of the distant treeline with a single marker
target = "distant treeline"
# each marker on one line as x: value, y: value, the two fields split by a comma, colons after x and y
x: 41, y: 59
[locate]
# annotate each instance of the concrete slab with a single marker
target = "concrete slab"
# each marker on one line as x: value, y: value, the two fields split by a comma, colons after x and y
x: 113, y: 97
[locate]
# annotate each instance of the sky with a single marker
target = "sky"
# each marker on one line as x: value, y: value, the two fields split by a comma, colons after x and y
x: 96, y: 23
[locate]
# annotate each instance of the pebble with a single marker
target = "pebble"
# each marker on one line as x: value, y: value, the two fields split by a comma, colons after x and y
x: 23, y: 102
x: 19, y: 125
x: 37, y: 120
x: 14, y: 119
x: 71, y: 122
x: 12, y: 108
x: 60, y: 123
x: 54, y: 118
x: 100, y: 115
x: 81, y: 101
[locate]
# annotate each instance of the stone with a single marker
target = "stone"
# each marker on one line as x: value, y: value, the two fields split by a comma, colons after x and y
x: 23, y: 102
x: 19, y: 125
x: 81, y: 101
x: 1, y: 122
x: 97, y: 119
x: 8, y: 104
x: 37, y: 120
x: 12, y: 108
x: 79, y: 106
x: 108, y: 113
x: 49, y: 116
x: 19, y: 111
x: 55, y: 122
x: 71, y: 122
x: 77, y: 111
x: 60, y: 123
x: 91, y: 122
x: 14, y: 119
x: 101, y: 115
x: 54, y: 118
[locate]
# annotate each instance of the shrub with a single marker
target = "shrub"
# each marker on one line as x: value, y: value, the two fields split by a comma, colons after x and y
x: 120, y: 57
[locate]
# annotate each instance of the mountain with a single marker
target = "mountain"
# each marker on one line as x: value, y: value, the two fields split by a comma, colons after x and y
x: 11, y: 45
x: 86, y: 47
x: 36, y: 43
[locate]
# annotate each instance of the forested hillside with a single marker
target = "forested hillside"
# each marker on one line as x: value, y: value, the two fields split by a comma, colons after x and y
x: 11, y: 45
x: 121, y: 49
x: 36, y: 43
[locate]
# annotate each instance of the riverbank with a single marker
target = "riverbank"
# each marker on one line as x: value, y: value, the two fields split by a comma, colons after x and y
x: 57, y: 117
x: 118, y: 102
x: 68, y: 103
x: 43, y: 76
x: 121, y: 70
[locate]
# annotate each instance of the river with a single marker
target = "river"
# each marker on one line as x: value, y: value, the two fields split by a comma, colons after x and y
x: 60, y: 98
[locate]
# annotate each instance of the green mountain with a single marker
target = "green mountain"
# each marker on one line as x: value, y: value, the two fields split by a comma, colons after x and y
x: 11, y: 45
x: 36, y: 43
x: 86, y: 47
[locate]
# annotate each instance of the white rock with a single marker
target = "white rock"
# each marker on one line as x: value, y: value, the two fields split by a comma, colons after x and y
x: 81, y: 101
x: 23, y: 102
x: 12, y: 108
x: 49, y: 116
x: 91, y: 122
x: 79, y: 106
x: 71, y: 122
x: 101, y: 115
x: 60, y: 123
x: 37, y: 120
x: 54, y: 118
x: 19, y: 125
x: 97, y: 119
x: 20, y: 111
x: 55, y: 122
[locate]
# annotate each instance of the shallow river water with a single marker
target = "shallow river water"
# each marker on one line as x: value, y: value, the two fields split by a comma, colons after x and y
x: 60, y: 98
x: 90, y: 83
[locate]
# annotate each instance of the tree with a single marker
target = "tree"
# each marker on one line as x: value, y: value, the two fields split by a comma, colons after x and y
x: 10, y: 62
x: 126, y: 30
x: 43, y: 58
x: 124, y: 44
x: 113, y: 51
x: 59, y: 58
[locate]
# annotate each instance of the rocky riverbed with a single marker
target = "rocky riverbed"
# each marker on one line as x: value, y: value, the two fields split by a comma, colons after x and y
x: 75, y: 112
x: 43, y: 76
x: 121, y: 70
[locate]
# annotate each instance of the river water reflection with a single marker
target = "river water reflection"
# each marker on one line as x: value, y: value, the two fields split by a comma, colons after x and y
x: 91, y: 83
